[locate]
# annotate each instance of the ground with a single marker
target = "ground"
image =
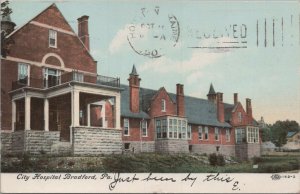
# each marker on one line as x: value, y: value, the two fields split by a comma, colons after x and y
x: 151, y: 162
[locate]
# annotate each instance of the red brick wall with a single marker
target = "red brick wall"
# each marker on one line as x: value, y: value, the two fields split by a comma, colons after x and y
x: 109, y: 115
x: 234, y: 121
x: 69, y: 48
x: 155, y: 107
x: 9, y: 73
x: 52, y: 16
x: 134, y: 99
x: 211, y: 136
x: 134, y: 131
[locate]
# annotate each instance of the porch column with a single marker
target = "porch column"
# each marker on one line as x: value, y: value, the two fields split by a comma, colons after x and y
x: 118, y: 111
x: 88, y: 108
x: 27, y: 112
x: 75, y: 108
x: 13, y: 115
x: 46, y: 114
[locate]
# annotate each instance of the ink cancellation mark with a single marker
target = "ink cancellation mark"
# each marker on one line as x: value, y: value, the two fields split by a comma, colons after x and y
x: 153, y: 32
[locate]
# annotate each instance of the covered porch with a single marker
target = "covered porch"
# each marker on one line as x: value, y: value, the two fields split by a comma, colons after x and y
x: 64, y: 107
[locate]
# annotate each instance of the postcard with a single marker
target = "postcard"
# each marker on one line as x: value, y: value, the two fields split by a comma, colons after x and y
x: 144, y: 96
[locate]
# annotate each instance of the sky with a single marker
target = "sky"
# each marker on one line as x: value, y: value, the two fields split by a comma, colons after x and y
x: 250, y: 48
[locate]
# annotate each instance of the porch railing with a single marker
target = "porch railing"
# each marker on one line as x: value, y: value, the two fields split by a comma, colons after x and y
x: 66, y: 77
x: 109, y: 81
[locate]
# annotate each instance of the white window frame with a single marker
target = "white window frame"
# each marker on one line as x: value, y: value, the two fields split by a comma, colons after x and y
x: 240, y: 134
x: 175, y: 125
x: 143, y: 126
x: 206, y: 133
x: 200, y: 133
x: 217, y: 134
x: 227, y: 135
x: 163, y: 105
x: 53, y: 35
x: 78, y: 76
x: 252, y: 135
x: 46, y: 74
x: 125, y: 120
x: 22, y: 75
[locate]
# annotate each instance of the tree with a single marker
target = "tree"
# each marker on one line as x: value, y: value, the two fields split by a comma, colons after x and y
x: 280, y: 129
x: 266, y: 134
x: 5, y: 42
x: 5, y: 10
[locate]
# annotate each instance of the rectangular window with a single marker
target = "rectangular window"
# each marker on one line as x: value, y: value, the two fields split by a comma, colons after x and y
x: 240, y: 136
x: 171, y: 131
x: 52, y: 38
x: 227, y: 135
x: 78, y: 76
x: 216, y: 133
x: 200, y: 132
x: 239, y: 117
x: 206, y: 133
x: 175, y: 128
x: 158, y: 129
x: 144, y: 128
x: 179, y: 129
x: 126, y: 127
x: 183, y: 129
x: 252, y: 135
x: 51, y: 77
x: 163, y: 105
x: 23, y: 73
x: 189, y: 132
x: 164, y: 128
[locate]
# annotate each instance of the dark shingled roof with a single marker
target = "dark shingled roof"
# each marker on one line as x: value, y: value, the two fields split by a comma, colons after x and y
x: 133, y: 71
x: 211, y: 90
x: 227, y: 111
x: 198, y: 111
x: 125, y: 110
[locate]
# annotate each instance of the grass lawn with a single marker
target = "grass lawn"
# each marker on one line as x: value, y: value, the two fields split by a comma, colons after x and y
x: 150, y: 162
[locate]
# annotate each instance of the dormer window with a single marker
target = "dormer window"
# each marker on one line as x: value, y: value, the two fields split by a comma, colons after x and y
x: 52, y: 38
x: 163, y: 105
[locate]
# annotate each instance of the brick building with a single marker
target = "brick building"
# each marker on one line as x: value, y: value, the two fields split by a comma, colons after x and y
x: 53, y: 101
x: 156, y: 120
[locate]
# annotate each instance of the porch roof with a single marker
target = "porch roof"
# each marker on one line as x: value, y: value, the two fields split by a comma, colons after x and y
x: 64, y: 88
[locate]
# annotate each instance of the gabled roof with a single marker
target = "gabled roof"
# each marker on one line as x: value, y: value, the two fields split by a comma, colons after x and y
x: 67, y: 25
x: 198, y: 111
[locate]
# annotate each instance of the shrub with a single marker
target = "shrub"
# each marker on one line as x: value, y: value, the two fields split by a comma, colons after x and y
x: 257, y: 160
x: 220, y: 160
x: 216, y: 160
x: 213, y: 159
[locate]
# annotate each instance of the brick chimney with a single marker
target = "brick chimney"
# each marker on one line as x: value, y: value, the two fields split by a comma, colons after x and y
x: 134, y: 90
x: 235, y: 98
x: 249, y: 109
x: 220, y: 107
x: 83, y: 30
x: 180, y: 100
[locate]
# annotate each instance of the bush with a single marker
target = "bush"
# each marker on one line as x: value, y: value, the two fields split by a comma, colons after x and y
x: 257, y: 160
x: 216, y: 160
x: 220, y: 160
